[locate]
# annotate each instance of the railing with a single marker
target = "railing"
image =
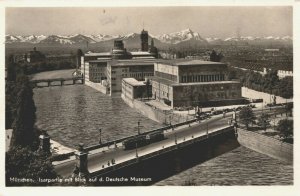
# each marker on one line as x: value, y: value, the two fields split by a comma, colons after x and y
x: 96, y: 146
x: 160, y: 152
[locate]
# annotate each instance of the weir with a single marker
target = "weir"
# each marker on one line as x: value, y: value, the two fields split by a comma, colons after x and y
x: 62, y: 81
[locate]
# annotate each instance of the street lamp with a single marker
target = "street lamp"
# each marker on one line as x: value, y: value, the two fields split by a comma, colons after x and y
x: 136, y: 152
x: 207, y: 129
x: 138, y: 127
x: 100, y: 131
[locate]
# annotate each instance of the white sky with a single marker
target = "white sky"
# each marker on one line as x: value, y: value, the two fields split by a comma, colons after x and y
x: 208, y: 21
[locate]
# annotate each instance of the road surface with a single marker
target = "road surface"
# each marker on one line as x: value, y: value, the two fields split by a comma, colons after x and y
x: 100, y: 159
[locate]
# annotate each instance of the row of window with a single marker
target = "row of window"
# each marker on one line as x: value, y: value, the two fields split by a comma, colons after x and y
x: 140, y: 75
x: 202, y: 78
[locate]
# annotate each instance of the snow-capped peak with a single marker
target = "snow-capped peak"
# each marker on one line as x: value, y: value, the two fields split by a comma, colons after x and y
x: 180, y: 36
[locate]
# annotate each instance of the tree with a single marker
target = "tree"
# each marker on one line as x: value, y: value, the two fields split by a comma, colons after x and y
x: 246, y: 116
x: 285, y: 87
x: 11, y: 69
x: 216, y: 57
x: 213, y: 56
x: 271, y: 80
x: 24, y: 163
x: 264, y: 121
x: 23, y: 125
x: 285, y: 128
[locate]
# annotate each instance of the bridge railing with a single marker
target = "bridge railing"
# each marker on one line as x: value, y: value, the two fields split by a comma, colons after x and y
x: 109, y: 143
x: 160, y: 152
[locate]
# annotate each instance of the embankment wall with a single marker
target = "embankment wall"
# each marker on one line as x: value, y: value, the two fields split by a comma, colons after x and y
x: 266, y: 145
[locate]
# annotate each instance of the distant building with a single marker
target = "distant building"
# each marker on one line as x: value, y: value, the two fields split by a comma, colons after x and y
x: 184, y: 82
x: 284, y: 73
x: 281, y: 73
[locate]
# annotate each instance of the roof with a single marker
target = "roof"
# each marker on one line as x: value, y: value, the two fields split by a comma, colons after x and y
x: 140, y: 53
x: 98, y: 54
x: 132, y: 62
x: 186, y: 62
x: 100, y: 60
x: 134, y: 82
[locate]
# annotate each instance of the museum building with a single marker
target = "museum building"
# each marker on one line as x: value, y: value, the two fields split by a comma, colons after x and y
x: 109, y: 68
x: 183, y: 82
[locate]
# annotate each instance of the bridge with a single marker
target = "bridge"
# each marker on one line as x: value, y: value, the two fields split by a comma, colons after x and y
x: 112, y: 159
x: 54, y: 81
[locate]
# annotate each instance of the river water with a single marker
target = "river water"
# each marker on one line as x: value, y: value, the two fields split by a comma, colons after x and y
x: 74, y: 114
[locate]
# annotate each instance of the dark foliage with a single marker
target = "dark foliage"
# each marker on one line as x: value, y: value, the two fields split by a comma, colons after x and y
x: 24, y: 119
x: 246, y: 116
x: 264, y: 121
x: 215, y: 57
x: 24, y: 163
x: 270, y: 83
x: 286, y: 128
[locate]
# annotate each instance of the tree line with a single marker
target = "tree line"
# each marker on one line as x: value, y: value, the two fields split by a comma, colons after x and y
x: 269, y: 83
x: 23, y: 160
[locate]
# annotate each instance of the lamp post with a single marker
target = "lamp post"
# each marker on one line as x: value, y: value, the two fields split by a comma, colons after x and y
x: 100, y: 141
x: 136, y: 152
x: 207, y: 129
x: 138, y: 127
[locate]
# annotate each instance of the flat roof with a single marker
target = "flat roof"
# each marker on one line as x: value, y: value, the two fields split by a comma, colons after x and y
x: 134, y: 82
x: 184, y: 62
x: 98, y: 54
x: 132, y: 62
x: 100, y: 60
x: 140, y: 53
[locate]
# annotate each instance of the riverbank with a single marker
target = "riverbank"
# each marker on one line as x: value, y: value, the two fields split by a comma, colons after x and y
x: 266, y: 145
x: 155, y: 113
x: 97, y: 86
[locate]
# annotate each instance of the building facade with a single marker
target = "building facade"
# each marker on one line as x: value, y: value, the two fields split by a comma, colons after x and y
x: 193, y: 82
x: 133, y: 89
x: 119, y: 69
x: 110, y: 68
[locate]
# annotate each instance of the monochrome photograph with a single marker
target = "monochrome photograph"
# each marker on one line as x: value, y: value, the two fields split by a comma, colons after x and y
x: 149, y: 96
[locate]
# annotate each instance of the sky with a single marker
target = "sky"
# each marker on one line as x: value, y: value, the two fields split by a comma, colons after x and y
x: 210, y: 21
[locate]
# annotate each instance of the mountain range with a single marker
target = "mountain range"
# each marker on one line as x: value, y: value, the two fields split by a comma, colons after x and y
x: 183, y: 37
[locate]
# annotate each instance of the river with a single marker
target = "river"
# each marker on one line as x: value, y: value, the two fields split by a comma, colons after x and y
x: 74, y: 114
